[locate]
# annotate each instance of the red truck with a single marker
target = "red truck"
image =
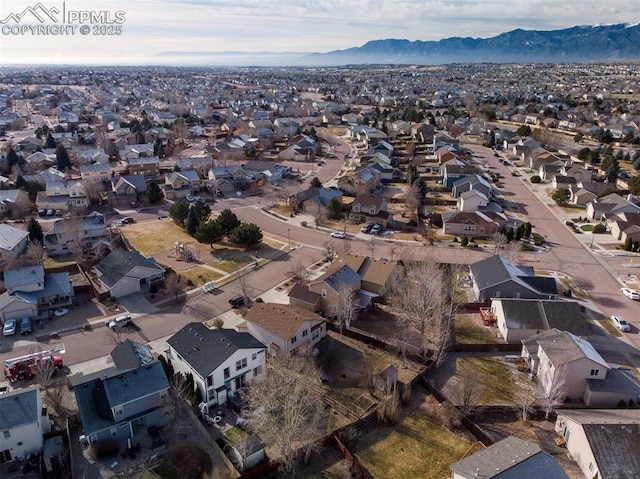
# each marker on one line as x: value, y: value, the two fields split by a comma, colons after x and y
x: 25, y: 367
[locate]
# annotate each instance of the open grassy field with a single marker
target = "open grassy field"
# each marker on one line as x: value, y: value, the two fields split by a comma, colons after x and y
x: 151, y: 238
x: 199, y: 275
x: 417, y: 447
x: 469, y: 331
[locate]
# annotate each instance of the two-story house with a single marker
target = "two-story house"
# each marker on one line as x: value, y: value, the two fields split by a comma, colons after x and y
x: 23, y: 421
x: 148, y: 166
x: 72, y: 235
x: 128, y: 187
x: 63, y: 196
x: 283, y: 328
x: 361, y: 182
x: 114, y: 402
x: 369, y: 208
x: 14, y: 202
x: 221, y: 361
x: 31, y: 292
x: 13, y: 241
x: 228, y: 178
x: 179, y: 184
x: 98, y: 172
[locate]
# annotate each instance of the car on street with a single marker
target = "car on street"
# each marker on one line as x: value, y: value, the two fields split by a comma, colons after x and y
x: 339, y: 234
x: 26, y: 325
x: 128, y: 220
x: 120, y: 321
x: 236, y: 301
x: 620, y: 323
x: 631, y: 293
x: 9, y: 328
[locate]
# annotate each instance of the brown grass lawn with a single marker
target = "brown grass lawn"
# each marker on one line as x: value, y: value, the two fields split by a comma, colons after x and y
x: 151, y: 238
x: 199, y: 275
x: 417, y: 447
x: 496, y: 377
x: 469, y: 331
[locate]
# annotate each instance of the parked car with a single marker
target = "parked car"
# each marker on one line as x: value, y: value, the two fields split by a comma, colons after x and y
x: 236, y: 301
x: 339, y: 234
x: 631, y: 293
x: 127, y: 220
x: 50, y: 212
x: 26, y: 325
x: 42, y: 212
x: 120, y: 321
x: 58, y: 213
x: 376, y: 229
x: 60, y: 312
x: 366, y: 227
x: 189, y: 198
x: 9, y: 328
x: 620, y: 323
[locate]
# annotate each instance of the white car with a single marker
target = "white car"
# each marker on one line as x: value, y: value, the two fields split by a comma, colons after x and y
x: 631, y: 293
x: 60, y: 312
x: 9, y: 328
x: 339, y: 234
x: 620, y: 323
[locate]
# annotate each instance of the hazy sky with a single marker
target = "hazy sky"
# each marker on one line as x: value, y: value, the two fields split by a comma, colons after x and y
x: 153, y: 26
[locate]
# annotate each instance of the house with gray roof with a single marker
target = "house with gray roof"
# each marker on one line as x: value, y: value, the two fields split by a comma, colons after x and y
x: 607, y: 206
x: 24, y: 420
x: 519, y: 319
x: 13, y: 241
x: 75, y: 234
x: 13, y: 202
x: 620, y: 387
x: 313, y: 199
x: 604, y: 443
x: 473, y: 182
x: 510, y: 458
x: 563, y: 361
x: 114, y: 401
x: 126, y: 272
x: 221, y: 361
x: 497, y: 277
x: 31, y: 292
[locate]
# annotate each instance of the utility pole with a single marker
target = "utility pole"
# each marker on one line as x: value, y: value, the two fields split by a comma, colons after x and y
x: 289, y: 238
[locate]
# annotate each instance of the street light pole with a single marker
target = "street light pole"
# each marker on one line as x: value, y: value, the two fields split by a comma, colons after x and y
x: 289, y: 238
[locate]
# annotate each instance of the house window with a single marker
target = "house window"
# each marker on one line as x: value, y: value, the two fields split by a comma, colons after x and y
x: 293, y: 340
x: 594, y: 372
x: 372, y: 210
x: 324, y: 293
x: 496, y: 294
x: 304, y: 333
x: 163, y: 394
x: 114, y: 432
x: 257, y: 371
x: 254, y: 356
x: 209, y: 381
x: 241, y: 364
x: 118, y: 410
x: 591, y: 468
x: 7, y: 433
x: 315, y: 334
x: 226, y: 373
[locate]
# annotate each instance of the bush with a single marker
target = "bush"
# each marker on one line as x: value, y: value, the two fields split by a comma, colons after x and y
x: 567, y: 293
x: 303, y: 224
x: 153, y: 289
x: 536, y: 179
x: 538, y: 240
x: 599, y: 229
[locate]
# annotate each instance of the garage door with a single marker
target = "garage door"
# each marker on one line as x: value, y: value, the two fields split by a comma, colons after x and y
x: 17, y: 314
x: 125, y: 288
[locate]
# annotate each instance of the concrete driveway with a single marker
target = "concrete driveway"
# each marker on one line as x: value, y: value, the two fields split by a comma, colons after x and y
x: 136, y: 303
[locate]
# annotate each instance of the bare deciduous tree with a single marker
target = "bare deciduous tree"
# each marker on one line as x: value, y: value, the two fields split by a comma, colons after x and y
x: 372, y: 244
x: 421, y: 296
x: 329, y: 250
x: 43, y: 371
x: 246, y: 289
x: 413, y: 199
x: 299, y: 272
x: 319, y: 215
x: 469, y: 389
x: 552, y: 389
x: 513, y: 252
x: 344, y: 306
x: 498, y: 240
x: 287, y: 410
x: 526, y: 398
x: 174, y: 284
x: 36, y: 253
x: 344, y: 246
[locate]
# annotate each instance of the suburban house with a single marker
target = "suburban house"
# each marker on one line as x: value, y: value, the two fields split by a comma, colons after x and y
x: 126, y: 272
x: 270, y: 171
x: 221, y: 361
x: 72, y: 235
x: 98, y: 172
x: 283, y: 328
x: 31, y: 292
x: 179, y: 184
x: 497, y: 277
x: 519, y: 319
x: 229, y: 178
x: 136, y: 151
x: 454, y: 171
x: 63, y: 195
x: 472, y: 200
x: 132, y: 394
x: 128, y: 187
x: 14, y: 202
x: 369, y: 208
x: 366, y: 277
x: 577, y: 172
x: 24, y: 421
x: 361, y: 182
x: 510, y: 458
x: 563, y: 362
x: 625, y: 226
x: 613, y: 204
x: 314, y: 200
x: 302, y: 149
x: 473, y: 224
x: 145, y: 166
x: 473, y: 182
x: 604, y: 443
x: 13, y: 242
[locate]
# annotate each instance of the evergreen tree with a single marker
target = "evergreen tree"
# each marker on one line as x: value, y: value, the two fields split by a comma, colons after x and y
x: 228, y: 220
x: 247, y: 234
x: 62, y: 157
x: 153, y: 193
x: 209, y: 232
x: 179, y: 212
x: 50, y: 142
x: 315, y: 182
x: 35, y: 230
x: 192, y: 222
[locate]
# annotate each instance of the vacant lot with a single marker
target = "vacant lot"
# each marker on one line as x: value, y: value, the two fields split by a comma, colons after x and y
x: 418, y: 446
x: 151, y: 238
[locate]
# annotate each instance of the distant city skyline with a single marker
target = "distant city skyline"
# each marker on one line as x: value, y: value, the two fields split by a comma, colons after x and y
x: 131, y: 33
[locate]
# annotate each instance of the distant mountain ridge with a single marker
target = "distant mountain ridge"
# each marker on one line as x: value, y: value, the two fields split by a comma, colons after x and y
x: 581, y: 44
